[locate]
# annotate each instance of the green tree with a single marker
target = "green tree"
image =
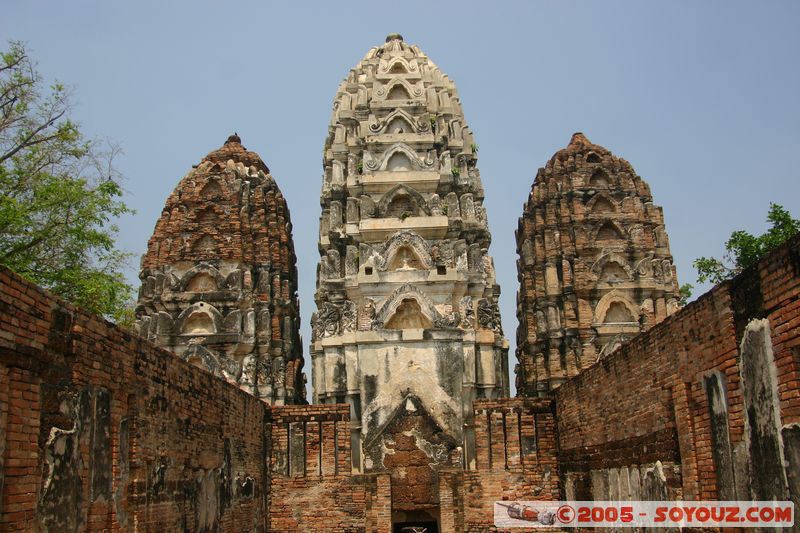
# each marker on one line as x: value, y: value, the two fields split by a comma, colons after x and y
x: 744, y: 249
x: 685, y: 292
x: 59, y: 194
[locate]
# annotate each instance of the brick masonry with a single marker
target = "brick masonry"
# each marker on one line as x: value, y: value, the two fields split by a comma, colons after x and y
x: 101, y: 430
x: 516, y: 460
x: 104, y: 431
x: 219, y: 281
x: 312, y: 487
x: 705, y: 405
x: 594, y: 265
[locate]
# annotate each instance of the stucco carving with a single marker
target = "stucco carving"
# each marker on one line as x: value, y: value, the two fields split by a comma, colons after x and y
x: 208, y: 286
x: 327, y: 321
x: 413, y: 211
x: 408, y: 239
x: 467, y: 313
x: 334, y: 319
x: 418, y: 204
x: 488, y: 315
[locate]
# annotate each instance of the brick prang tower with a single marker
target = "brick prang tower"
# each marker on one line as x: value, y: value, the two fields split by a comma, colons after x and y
x: 594, y: 265
x: 219, y: 280
x: 407, y: 329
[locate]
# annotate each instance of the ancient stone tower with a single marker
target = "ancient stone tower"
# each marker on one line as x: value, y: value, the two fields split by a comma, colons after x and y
x: 594, y: 265
x: 219, y: 281
x: 407, y: 329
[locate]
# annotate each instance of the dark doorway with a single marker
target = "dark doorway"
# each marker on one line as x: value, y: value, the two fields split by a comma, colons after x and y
x: 416, y: 527
x: 416, y: 520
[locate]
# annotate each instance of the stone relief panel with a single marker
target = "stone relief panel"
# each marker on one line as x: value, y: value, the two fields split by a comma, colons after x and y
x: 489, y: 315
x: 405, y: 242
x: 334, y: 319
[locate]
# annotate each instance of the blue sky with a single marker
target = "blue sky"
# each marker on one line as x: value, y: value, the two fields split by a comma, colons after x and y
x: 701, y: 98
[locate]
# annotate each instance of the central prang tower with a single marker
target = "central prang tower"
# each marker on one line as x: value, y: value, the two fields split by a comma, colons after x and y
x: 407, y: 329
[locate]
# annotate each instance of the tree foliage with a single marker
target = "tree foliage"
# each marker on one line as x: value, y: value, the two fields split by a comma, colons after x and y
x: 685, y: 292
x: 744, y: 249
x: 59, y: 194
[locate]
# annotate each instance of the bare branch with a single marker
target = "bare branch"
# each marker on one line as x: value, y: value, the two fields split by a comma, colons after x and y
x: 30, y: 140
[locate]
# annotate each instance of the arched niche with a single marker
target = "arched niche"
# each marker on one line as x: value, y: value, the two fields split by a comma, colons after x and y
x: 402, y: 205
x: 402, y: 199
x: 398, y: 92
x: 212, y: 189
x: 197, y: 278
x: 613, y: 272
x: 199, y: 319
x: 202, y: 357
x: 410, y: 241
x: 202, y: 282
x: 599, y: 178
x: 400, y: 313
x: 205, y: 244
x: 592, y: 158
x: 199, y: 323
x: 399, y: 162
x: 612, y: 258
x: 413, y: 160
x: 614, y: 308
x: 207, y: 216
x: 397, y: 119
x: 398, y: 67
x: 405, y: 258
x: 399, y: 124
x: 618, y: 313
x: 601, y: 204
x: 408, y: 315
x: 609, y: 231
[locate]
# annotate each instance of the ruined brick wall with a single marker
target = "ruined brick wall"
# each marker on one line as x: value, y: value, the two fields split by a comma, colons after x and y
x: 102, y: 431
x: 516, y: 454
x: 704, y: 405
x: 312, y: 488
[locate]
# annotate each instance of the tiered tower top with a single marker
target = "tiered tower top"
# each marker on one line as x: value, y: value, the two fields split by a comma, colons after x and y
x: 219, y: 281
x: 396, y: 111
x: 595, y: 267
x: 407, y: 328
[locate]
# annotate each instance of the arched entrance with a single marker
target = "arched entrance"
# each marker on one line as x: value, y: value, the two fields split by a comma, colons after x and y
x: 416, y: 521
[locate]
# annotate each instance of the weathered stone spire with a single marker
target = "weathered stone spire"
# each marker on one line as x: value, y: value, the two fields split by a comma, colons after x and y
x: 594, y: 265
x: 219, y: 281
x: 407, y: 329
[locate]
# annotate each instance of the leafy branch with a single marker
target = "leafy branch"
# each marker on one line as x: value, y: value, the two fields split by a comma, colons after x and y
x: 59, y: 194
x: 744, y: 249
